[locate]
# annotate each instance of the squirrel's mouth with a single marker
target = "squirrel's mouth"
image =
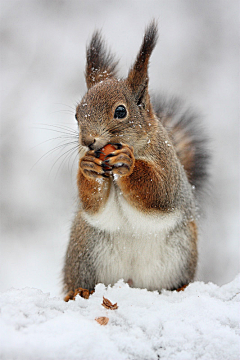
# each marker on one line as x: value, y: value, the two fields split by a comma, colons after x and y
x: 108, y: 148
x: 97, y: 144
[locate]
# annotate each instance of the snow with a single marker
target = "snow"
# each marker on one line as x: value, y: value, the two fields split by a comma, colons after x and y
x: 201, y: 322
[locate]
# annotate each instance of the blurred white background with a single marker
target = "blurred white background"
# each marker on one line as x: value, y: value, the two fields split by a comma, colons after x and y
x: 42, y: 79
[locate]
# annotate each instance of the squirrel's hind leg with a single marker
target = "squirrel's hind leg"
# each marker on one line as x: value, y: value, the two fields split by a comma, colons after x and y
x: 84, y: 293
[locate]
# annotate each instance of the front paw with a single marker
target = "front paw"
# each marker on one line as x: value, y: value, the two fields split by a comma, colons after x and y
x: 121, y: 161
x: 93, y: 167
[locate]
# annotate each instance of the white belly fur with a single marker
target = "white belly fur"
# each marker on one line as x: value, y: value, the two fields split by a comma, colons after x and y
x: 137, y: 246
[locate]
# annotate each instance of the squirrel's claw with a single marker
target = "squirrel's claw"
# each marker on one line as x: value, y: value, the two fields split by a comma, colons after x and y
x: 106, y: 167
x: 121, y: 161
x: 92, y: 166
x: 119, y: 146
x: 97, y: 153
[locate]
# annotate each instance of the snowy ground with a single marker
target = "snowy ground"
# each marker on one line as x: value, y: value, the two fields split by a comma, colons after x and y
x: 200, y: 323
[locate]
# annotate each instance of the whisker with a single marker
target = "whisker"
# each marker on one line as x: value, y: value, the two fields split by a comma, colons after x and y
x: 58, y: 147
x: 115, y: 127
x: 67, y: 111
x: 66, y: 154
x: 68, y: 145
x: 65, y: 105
x: 62, y: 137
x: 57, y: 128
x: 74, y: 160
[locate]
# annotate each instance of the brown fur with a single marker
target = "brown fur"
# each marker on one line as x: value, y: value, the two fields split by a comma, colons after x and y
x: 99, y: 192
x: 100, y: 63
x: 153, y: 169
x: 141, y: 190
x: 190, y: 142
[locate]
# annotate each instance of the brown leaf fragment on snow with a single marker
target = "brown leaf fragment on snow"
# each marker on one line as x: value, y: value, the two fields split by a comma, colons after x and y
x: 108, y: 305
x: 102, y: 320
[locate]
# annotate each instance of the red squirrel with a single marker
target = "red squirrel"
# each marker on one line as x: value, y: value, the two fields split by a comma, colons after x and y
x: 138, y: 201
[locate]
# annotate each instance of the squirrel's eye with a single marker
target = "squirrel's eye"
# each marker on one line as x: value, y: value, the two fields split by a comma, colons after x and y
x: 120, y: 112
x: 76, y: 117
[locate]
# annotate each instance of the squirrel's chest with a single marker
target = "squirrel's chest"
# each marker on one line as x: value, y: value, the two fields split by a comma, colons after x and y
x: 119, y: 216
x: 134, y: 246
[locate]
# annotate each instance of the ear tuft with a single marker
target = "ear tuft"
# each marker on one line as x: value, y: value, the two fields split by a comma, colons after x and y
x: 138, y: 74
x: 101, y: 64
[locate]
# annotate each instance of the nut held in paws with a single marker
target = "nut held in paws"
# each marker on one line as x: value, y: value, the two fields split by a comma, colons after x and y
x: 106, y: 150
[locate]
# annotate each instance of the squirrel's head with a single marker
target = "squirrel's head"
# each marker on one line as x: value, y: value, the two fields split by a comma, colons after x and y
x: 116, y: 111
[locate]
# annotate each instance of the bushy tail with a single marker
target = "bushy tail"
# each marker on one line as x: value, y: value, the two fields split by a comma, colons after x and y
x: 188, y: 137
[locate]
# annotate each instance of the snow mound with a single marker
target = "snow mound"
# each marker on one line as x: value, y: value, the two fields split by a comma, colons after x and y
x: 201, y: 322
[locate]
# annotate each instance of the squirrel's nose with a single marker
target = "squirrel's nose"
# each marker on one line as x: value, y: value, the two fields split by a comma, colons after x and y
x: 89, y: 141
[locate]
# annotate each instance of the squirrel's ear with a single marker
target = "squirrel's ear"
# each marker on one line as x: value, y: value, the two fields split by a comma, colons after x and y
x: 138, y: 74
x: 101, y: 64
